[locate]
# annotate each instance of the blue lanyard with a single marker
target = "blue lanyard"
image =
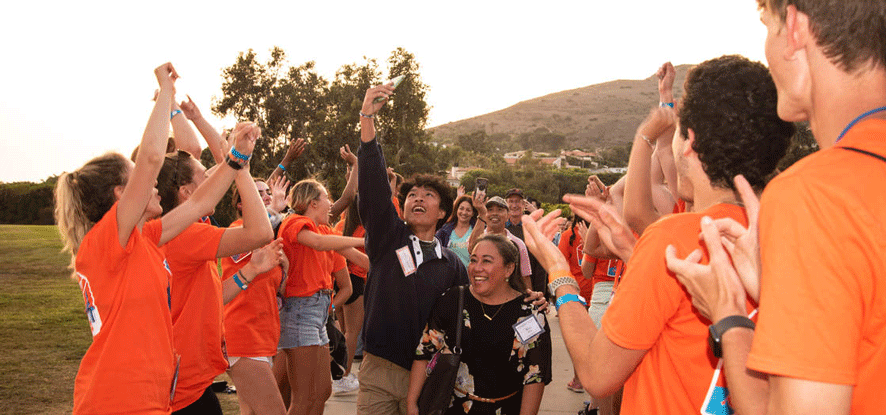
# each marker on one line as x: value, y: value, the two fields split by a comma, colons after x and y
x: 856, y: 120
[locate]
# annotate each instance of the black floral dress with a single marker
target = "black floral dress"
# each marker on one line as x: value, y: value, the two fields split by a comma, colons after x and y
x: 494, y: 362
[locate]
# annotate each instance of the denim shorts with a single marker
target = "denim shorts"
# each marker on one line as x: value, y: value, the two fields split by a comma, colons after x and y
x: 303, y: 321
x: 600, y: 301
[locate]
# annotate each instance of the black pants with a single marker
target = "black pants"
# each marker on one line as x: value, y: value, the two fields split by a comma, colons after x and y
x: 207, y: 405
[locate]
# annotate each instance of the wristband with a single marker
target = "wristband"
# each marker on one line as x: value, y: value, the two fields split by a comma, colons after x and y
x: 240, y: 155
x: 568, y: 298
x: 239, y: 282
x: 281, y: 167
x: 367, y: 116
x: 234, y: 165
x: 174, y: 113
x: 666, y: 104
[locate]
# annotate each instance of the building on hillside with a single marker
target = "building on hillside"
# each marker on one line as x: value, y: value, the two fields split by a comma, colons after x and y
x: 456, y: 173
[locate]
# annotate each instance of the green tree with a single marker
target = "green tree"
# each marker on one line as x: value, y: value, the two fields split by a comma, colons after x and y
x: 401, y: 123
x: 478, y: 142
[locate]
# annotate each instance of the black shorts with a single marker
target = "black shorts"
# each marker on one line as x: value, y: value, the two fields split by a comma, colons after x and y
x: 357, y: 286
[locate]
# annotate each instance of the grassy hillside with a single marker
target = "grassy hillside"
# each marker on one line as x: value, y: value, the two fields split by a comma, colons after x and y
x: 43, y: 328
x: 596, y: 116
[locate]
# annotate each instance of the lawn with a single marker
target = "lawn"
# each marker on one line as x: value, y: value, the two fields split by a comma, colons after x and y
x: 43, y: 329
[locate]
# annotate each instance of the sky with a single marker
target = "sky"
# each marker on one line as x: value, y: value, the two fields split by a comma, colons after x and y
x: 78, y: 76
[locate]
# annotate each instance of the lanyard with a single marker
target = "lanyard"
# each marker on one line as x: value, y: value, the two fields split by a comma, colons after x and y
x: 856, y: 120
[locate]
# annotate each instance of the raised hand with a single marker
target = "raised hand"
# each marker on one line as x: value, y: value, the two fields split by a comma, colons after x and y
x: 613, y: 231
x: 370, y: 107
x: 296, y: 148
x: 244, y: 136
x: 190, y: 109
x: 479, y: 202
x: 278, y: 193
x: 666, y: 75
x: 347, y: 155
x: 538, y: 239
x: 596, y: 188
x: 743, y: 244
x: 267, y: 257
x: 715, y: 288
x: 581, y: 228
x: 460, y: 192
x: 166, y: 76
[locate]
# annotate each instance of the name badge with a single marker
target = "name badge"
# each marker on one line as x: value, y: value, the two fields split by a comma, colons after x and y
x: 406, y: 262
x: 95, y: 320
x: 527, y: 328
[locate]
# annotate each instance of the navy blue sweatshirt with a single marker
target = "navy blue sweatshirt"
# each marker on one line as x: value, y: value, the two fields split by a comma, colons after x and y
x: 397, y: 306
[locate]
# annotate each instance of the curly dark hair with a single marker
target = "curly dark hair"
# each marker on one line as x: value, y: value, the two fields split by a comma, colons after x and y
x: 730, y: 103
x: 435, y: 183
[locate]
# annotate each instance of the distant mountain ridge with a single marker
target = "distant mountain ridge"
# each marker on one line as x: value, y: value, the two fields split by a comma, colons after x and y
x: 592, y: 117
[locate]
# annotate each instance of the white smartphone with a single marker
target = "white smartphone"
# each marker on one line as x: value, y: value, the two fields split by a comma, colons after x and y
x: 396, y: 82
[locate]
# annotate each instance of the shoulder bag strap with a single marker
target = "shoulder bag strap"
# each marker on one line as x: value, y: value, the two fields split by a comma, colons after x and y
x: 459, y: 319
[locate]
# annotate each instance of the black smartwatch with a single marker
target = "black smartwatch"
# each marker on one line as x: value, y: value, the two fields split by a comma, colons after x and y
x: 715, y: 331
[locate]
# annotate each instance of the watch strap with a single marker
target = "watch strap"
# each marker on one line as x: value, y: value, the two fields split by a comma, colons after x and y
x: 560, y: 282
x: 716, y: 331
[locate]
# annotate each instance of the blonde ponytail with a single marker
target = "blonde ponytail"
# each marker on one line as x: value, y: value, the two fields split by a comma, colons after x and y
x: 84, y: 196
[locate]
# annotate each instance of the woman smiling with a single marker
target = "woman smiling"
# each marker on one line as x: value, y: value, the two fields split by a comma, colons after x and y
x: 506, y: 345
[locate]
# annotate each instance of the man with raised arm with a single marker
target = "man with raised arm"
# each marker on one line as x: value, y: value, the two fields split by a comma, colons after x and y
x: 819, y: 268
x: 409, y: 268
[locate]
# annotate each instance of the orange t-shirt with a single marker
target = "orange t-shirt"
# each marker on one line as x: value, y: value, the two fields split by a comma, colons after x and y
x: 607, y: 269
x: 359, y: 232
x: 651, y: 311
x: 573, y: 253
x: 335, y: 261
x: 252, y: 320
x: 397, y: 207
x: 823, y: 283
x: 309, y: 269
x: 197, y: 323
x: 130, y: 365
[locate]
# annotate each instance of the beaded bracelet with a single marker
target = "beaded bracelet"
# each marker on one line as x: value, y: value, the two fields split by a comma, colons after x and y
x: 240, y: 155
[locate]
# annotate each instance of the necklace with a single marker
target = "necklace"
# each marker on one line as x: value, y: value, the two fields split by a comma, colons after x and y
x: 856, y: 120
x: 500, y: 306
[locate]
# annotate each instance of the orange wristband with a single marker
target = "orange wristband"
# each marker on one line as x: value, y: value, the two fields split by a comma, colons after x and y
x: 560, y: 273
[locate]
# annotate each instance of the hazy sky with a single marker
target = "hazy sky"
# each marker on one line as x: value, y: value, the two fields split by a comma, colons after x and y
x: 78, y: 81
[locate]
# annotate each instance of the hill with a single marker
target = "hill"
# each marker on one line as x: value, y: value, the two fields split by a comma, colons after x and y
x: 596, y: 116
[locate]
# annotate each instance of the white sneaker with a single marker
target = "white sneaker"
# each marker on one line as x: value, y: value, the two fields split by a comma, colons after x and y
x: 345, y: 385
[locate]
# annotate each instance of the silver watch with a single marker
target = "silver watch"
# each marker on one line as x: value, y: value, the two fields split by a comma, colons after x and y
x: 557, y: 283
